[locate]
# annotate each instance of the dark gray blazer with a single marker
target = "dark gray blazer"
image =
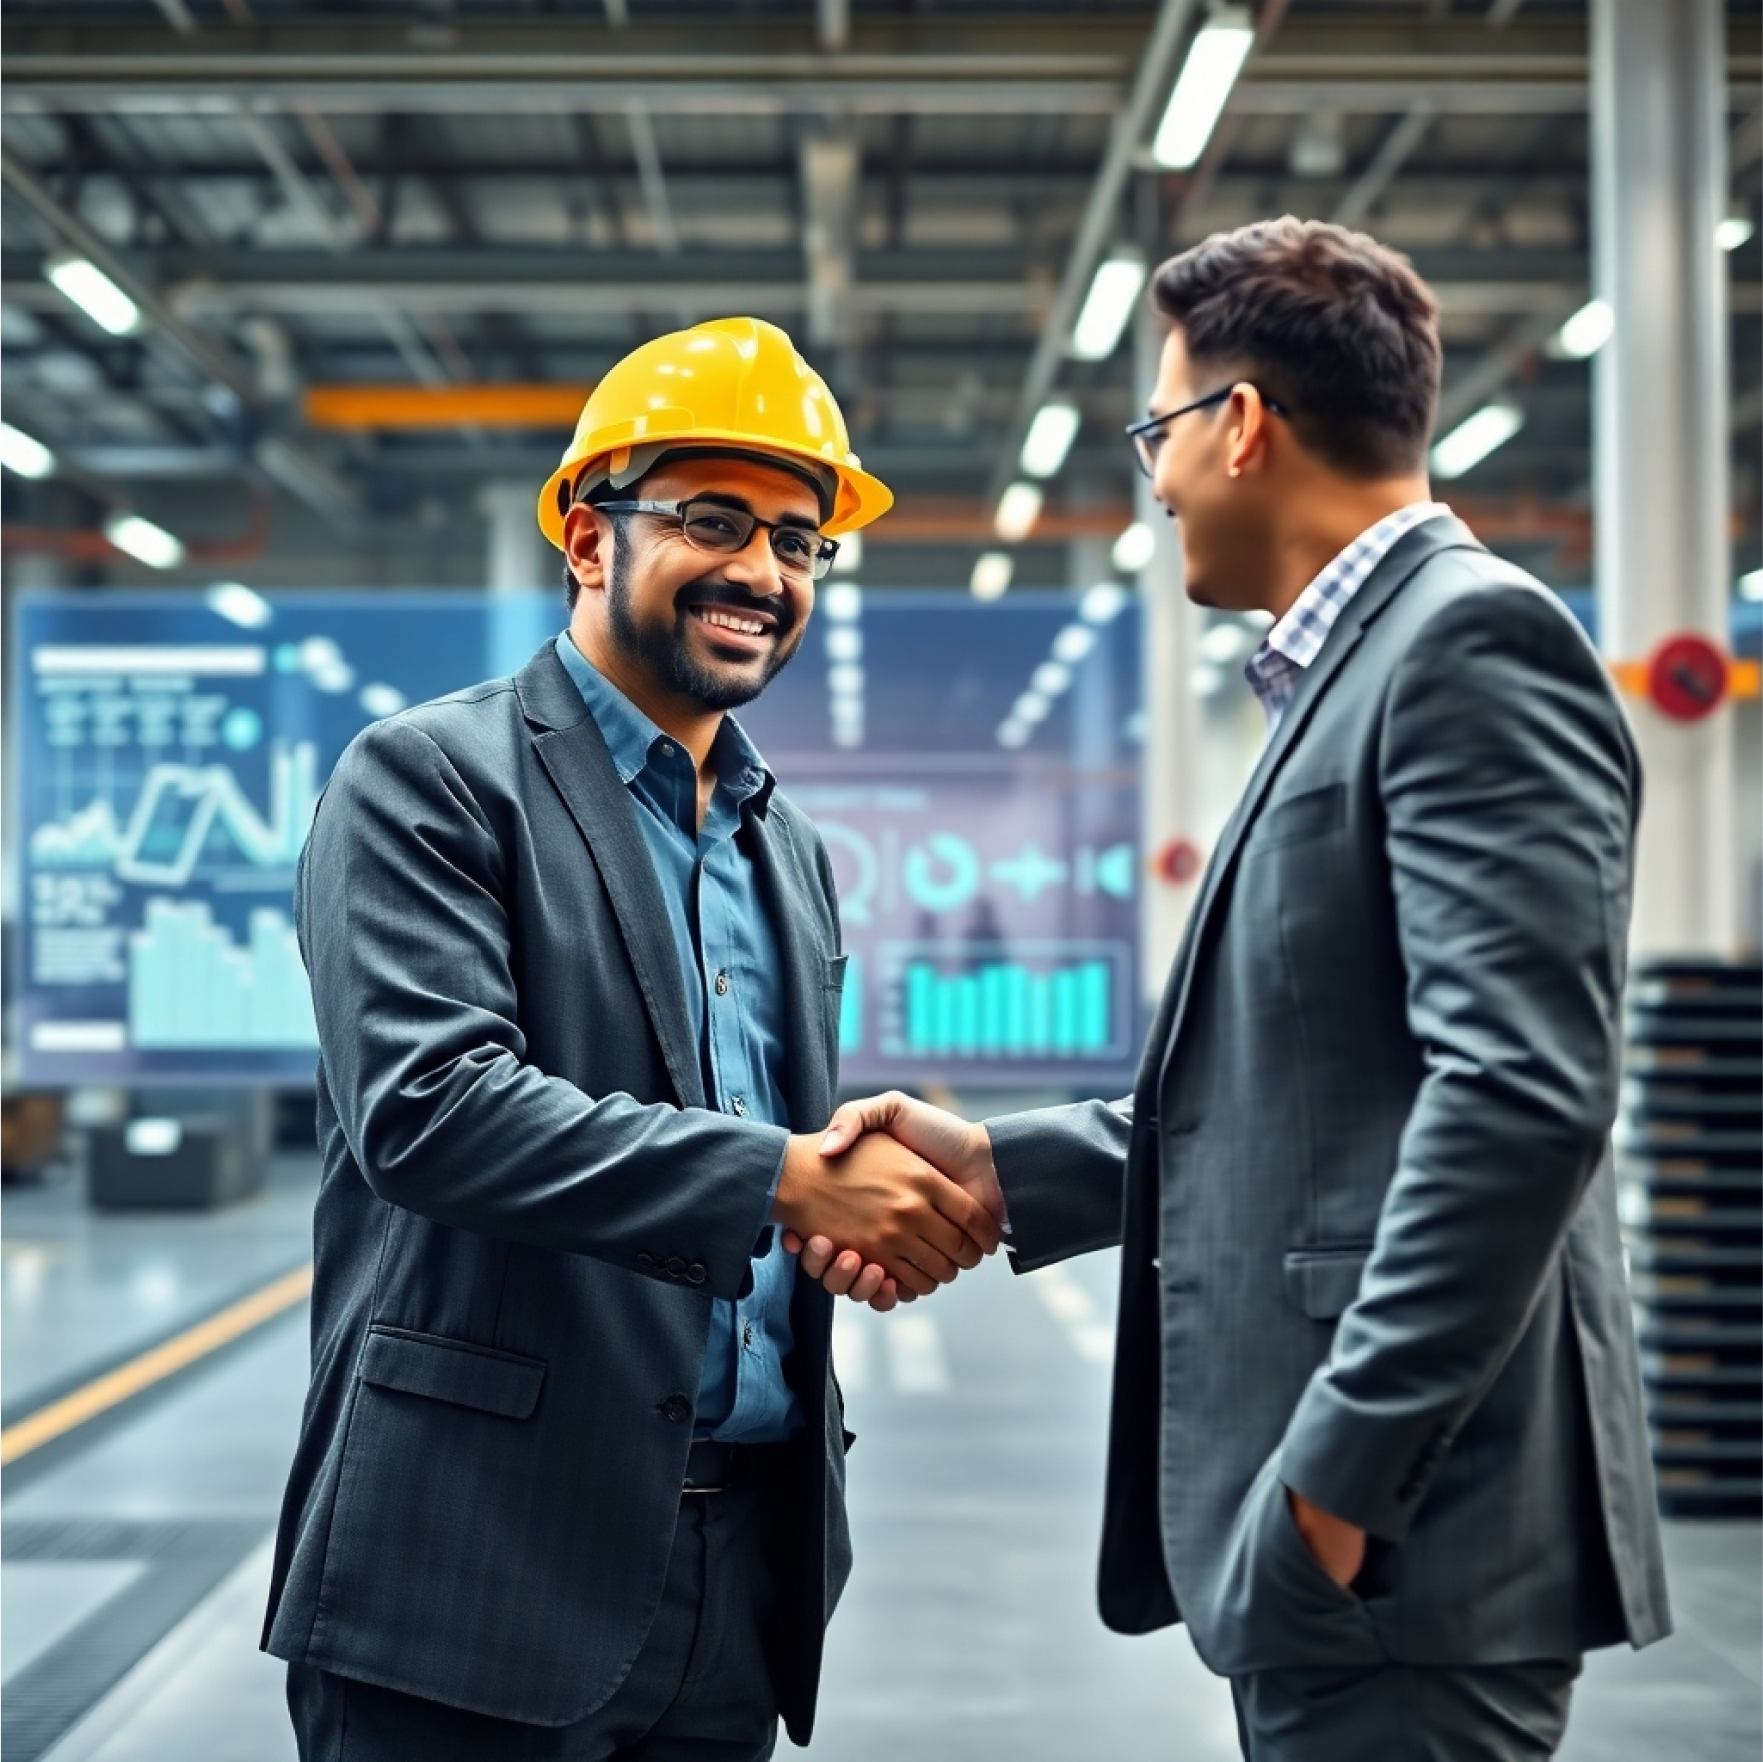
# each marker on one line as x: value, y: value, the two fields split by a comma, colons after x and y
x: 525, y: 1213
x: 1364, y: 1188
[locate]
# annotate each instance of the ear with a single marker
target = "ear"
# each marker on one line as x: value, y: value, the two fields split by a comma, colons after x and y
x: 587, y: 543
x: 1248, y: 431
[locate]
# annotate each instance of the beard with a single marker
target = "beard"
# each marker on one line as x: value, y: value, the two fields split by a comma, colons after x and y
x: 663, y: 647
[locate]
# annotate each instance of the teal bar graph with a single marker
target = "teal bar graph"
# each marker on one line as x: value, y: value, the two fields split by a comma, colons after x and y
x: 193, y: 988
x: 1007, y: 1009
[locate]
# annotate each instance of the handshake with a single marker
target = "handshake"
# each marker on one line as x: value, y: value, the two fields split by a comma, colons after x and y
x: 892, y: 1201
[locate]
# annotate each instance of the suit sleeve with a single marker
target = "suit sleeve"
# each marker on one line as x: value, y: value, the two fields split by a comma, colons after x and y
x: 1063, y: 1172
x: 407, y: 940
x: 1510, y: 792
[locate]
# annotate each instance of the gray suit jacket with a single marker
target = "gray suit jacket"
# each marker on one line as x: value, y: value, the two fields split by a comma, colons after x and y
x: 525, y: 1213
x: 1363, y: 1186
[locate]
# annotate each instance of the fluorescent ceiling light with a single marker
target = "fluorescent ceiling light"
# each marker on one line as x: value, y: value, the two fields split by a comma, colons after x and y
x: 1202, y: 88
x: 1733, y: 231
x: 1073, y: 643
x: 1013, y: 733
x: 846, y: 679
x: 144, y: 541
x: 1475, y: 437
x: 1751, y: 586
x: 850, y: 557
x: 240, y: 605
x: 1103, y: 603
x: 1205, y: 680
x: 1031, y: 708
x: 844, y: 642
x: 24, y: 453
x: 1587, y: 331
x: 1132, y: 550
x: 842, y: 602
x: 95, y: 294
x: 1049, y: 439
x: 1019, y: 507
x: 1050, y: 678
x: 1114, y: 291
x: 990, y: 579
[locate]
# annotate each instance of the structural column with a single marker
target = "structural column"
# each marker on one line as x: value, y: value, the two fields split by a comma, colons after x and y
x: 1660, y: 433
x: 1171, y: 625
x: 517, y: 558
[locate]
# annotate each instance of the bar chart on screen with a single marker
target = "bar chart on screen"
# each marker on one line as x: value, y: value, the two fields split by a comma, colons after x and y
x: 1057, y: 998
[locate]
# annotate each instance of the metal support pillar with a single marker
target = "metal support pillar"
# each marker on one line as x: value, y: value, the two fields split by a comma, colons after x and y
x: 517, y: 558
x: 1660, y: 433
x: 1171, y: 626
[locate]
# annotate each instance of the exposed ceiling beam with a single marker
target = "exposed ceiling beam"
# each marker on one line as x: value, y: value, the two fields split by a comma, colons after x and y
x: 73, y: 233
x: 830, y: 165
x: 1380, y: 173
x: 1167, y: 36
x: 556, y: 294
x: 652, y: 178
x: 561, y: 298
x: 1496, y: 369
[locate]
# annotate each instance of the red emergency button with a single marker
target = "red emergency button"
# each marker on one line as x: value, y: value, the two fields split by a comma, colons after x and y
x: 1687, y: 677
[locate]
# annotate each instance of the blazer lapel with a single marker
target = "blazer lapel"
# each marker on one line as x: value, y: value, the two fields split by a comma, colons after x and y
x: 1405, y: 557
x: 809, y: 1082
x: 575, y: 756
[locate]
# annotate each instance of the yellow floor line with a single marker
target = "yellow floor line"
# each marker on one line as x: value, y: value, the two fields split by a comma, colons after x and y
x: 154, y: 1365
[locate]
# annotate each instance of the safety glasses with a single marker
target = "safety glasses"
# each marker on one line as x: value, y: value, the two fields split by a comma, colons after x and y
x: 1147, y: 436
x: 716, y: 527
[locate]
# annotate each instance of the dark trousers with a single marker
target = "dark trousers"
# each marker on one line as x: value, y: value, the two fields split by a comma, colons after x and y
x: 699, y: 1691
x: 1406, y: 1713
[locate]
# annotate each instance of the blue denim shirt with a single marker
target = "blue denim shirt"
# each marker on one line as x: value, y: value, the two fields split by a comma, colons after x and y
x: 729, y: 959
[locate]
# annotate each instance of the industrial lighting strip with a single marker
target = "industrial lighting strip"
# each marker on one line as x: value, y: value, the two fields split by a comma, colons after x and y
x: 1099, y: 607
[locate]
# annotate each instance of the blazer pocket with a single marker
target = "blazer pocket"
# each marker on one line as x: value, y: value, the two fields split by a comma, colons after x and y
x: 1323, y: 1280
x: 1310, y: 815
x: 452, y: 1370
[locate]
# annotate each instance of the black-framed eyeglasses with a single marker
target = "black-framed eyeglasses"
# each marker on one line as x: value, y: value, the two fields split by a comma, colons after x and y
x: 714, y: 526
x: 1147, y: 436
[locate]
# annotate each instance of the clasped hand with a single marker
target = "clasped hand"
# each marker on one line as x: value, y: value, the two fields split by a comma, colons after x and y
x: 894, y: 1200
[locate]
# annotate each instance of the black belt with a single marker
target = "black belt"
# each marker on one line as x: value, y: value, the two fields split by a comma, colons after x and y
x: 714, y: 1468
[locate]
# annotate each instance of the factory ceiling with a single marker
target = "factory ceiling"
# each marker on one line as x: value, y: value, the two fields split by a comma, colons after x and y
x: 378, y: 251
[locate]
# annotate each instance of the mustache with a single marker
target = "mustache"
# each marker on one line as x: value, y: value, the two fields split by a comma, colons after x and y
x: 777, y: 611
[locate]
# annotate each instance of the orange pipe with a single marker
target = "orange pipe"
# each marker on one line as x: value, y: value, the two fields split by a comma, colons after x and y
x: 447, y: 406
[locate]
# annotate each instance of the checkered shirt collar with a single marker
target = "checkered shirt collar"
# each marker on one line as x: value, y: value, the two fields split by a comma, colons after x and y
x: 1275, y: 668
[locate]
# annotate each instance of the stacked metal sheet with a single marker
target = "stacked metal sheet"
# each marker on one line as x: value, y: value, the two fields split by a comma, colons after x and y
x: 1689, y: 1149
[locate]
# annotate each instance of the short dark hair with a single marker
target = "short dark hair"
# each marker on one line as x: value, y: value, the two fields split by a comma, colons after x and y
x: 1328, y: 322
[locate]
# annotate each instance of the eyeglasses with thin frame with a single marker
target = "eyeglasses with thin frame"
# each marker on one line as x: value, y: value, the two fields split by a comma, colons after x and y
x: 1147, y: 436
x: 716, y: 527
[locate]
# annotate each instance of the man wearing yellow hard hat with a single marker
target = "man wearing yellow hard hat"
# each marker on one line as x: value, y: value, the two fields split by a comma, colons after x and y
x: 570, y: 1481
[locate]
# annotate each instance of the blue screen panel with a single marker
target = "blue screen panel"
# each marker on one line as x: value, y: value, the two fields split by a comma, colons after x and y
x: 171, y: 762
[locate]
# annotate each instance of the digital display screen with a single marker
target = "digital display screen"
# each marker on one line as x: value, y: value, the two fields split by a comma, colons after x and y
x: 170, y: 761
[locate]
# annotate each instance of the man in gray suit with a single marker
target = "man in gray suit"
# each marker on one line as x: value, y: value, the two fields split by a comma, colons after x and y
x: 570, y: 1481
x: 1377, y: 1428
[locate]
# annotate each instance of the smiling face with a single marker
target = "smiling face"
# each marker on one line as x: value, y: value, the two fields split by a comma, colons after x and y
x: 1220, y: 500
x: 706, y: 627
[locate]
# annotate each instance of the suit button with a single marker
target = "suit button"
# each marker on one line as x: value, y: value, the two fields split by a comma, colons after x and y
x: 645, y: 1260
x: 696, y: 1274
x: 676, y: 1408
x: 675, y: 1266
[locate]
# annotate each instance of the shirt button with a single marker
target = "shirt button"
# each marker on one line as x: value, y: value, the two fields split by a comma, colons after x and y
x: 722, y: 984
x: 739, y: 1105
x: 667, y: 749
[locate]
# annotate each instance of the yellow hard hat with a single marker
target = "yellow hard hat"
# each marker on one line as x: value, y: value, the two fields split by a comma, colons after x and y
x: 732, y: 381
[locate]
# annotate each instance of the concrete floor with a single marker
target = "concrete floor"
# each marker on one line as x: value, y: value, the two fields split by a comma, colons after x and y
x: 136, y: 1566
